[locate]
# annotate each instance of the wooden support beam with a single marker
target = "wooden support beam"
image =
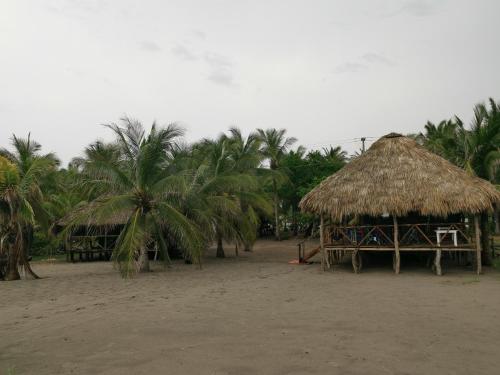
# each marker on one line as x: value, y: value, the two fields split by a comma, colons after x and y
x: 322, y: 241
x: 355, y: 261
x: 397, y: 258
x: 437, y: 262
x: 477, y: 230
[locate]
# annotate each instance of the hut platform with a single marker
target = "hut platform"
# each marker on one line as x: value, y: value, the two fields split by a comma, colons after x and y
x: 453, y: 238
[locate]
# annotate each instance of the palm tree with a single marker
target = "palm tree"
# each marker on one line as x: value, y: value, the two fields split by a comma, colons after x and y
x: 19, y: 195
x: 445, y: 139
x: 26, y: 153
x: 141, y: 190
x: 335, y: 154
x: 477, y: 149
x: 482, y: 141
x: 482, y: 155
x: 26, y: 172
x: 247, y: 158
x: 228, y: 190
x: 245, y: 152
x: 275, y: 145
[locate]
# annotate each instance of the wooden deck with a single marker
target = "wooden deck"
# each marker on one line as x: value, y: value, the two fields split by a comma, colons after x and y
x: 338, y: 241
x: 402, y: 248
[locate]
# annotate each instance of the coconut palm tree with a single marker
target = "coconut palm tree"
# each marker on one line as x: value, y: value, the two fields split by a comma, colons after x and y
x: 445, y: 139
x: 274, y: 147
x: 19, y: 195
x: 482, y: 155
x: 245, y: 152
x: 31, y: 171
x: 482, y: 141
x: 25, y: 153
x: 227, y: 187
x: 140, y: 189
x: 247, y: 158
x: 476, y: 149
x: 335, y: 154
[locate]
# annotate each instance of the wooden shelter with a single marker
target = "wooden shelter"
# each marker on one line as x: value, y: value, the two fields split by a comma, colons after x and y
x: 94, y: 237
x: 403, y: 191
x: 90, y: 239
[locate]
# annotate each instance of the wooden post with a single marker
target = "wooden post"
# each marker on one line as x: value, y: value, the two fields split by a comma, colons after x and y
x: 354, y: 260
x: 397, y: 259
x: 477, y: 229
x: 437, y: 262
x: 322, y: 241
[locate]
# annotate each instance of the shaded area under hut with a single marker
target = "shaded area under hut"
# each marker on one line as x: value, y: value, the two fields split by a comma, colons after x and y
x: 400, y: 197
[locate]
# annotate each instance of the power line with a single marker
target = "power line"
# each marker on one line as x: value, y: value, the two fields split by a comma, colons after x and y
x: 339, y: 142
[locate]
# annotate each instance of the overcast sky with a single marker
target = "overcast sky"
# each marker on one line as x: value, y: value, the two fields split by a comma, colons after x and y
x: 328, y: 71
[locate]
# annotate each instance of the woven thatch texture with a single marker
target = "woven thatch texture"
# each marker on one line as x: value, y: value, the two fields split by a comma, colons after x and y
x: 398, y: 176
x: 85, y: 216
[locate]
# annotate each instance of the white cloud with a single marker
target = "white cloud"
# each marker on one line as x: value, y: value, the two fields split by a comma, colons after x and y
x: 375, y: 58
x: 149, y: 46
x: 222, y: 77
x: 418, y: 8
x: 350, y: 67
x: 183, y: 53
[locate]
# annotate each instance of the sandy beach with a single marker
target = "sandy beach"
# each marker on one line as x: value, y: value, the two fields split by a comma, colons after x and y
x: 255, y: 314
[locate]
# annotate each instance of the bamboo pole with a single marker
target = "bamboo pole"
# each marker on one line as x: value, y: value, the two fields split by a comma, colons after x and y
x: 322, y: 241
x: 397, y: 260
x: 477, y: 230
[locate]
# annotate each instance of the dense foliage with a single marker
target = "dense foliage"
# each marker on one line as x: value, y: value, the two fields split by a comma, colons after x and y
x: 162, y: 193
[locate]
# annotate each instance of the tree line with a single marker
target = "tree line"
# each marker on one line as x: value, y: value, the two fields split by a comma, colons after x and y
x: 171, y: 195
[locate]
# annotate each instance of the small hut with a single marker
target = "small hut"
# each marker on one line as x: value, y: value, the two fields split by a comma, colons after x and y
x: 93, y: 238
x: 398, y: 196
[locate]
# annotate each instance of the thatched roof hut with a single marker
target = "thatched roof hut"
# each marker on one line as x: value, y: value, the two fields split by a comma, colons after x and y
x: 398, y: 176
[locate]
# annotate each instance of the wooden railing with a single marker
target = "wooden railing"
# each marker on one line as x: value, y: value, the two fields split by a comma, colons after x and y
x: 433, y: 235
x: 90, y: 246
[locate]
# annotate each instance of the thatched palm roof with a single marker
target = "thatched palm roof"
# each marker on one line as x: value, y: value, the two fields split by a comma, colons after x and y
x: 87, y: 215
x: 398, y: 176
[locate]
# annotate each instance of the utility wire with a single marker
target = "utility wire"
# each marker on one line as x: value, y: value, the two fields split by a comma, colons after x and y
x: 340, y: 142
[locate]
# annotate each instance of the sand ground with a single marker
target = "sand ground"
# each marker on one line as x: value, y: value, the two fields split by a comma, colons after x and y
x: 254, y: 314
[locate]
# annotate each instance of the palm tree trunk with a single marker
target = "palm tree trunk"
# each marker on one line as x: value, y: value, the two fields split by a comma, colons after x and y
x: 485, y: 239
x: 248, y: 246
x: 295, y: 225
x: 276, y: 213
x: 12, y: 264
x: 220, y: 248
x: 497, y: 222
x: 144, y: 259
x: 276, y: 221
